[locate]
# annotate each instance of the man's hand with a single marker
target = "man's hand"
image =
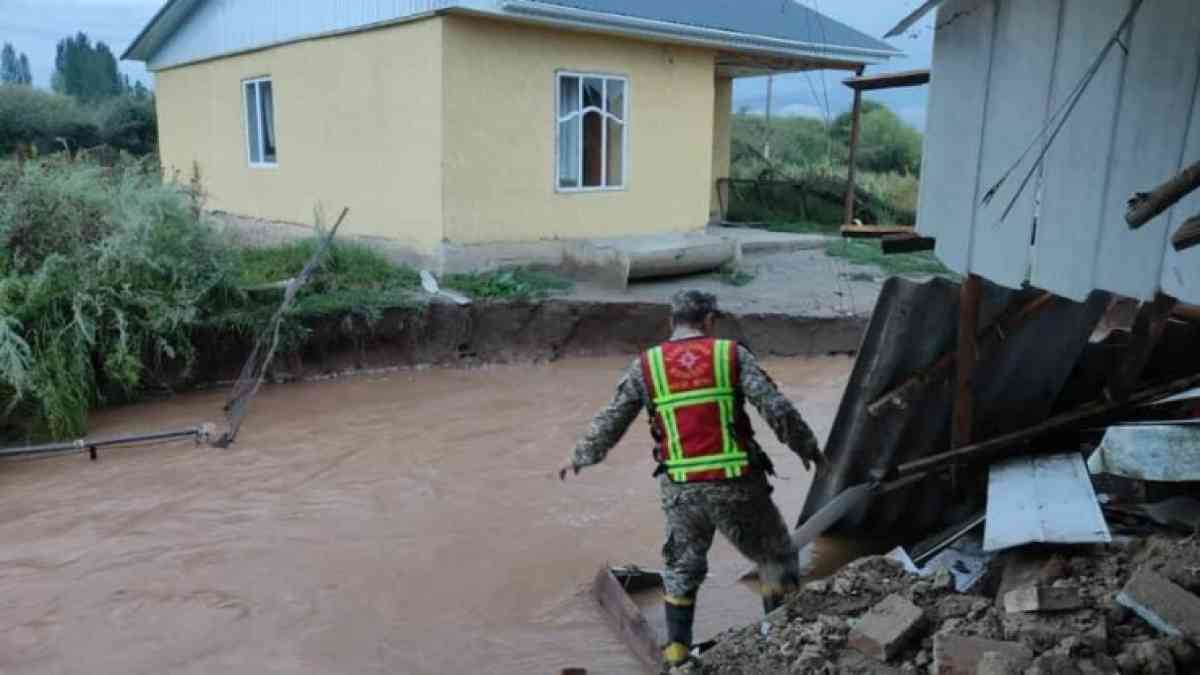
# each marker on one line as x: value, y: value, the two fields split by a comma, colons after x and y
x: 571, y: 467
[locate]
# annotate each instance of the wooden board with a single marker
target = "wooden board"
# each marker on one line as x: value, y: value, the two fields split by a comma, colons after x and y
x: 627, y: 620
x: 1042, y: 500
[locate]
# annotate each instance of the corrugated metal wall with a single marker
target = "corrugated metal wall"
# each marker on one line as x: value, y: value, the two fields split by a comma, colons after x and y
x: 223, y: 26
x: 1000, y: 69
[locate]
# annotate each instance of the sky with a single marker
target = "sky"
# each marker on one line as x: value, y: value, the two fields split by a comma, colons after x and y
x: 36, y: 26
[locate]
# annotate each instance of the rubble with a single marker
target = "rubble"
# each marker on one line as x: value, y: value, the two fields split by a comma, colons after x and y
x: 884, y: 630
x: 973, y: 632
x: 1038, y: 598
x: 1167, y: 607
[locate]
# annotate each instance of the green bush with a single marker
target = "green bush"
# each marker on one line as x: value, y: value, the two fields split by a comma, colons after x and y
x: 45, y: 121
x: 105, y: 272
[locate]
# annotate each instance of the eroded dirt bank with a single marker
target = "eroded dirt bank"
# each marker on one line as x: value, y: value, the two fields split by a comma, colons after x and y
x: 405, y: 523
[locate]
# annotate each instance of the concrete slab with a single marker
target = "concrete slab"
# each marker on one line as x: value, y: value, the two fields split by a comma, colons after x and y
x: 762, y: 241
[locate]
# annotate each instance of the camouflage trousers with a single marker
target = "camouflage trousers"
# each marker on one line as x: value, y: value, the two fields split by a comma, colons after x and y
x: 742, y: 510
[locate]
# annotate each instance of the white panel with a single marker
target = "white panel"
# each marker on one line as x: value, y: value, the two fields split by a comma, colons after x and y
x: 1042, y: 499
x: 223, y: 26
x: 1181, y: 271
x: 957, y: 100
x: 1076, y: 167
x: 1022, y: 65
x: 1151, y: 128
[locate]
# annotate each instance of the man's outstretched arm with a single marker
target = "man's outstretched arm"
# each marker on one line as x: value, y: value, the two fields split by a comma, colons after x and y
x: 610, y: 424
x: 779, y: 413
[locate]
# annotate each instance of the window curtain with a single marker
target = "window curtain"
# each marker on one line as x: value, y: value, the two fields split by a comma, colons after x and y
x: 569, y: 132
x: 267, y: 100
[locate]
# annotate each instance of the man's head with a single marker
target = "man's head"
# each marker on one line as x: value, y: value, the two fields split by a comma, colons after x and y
x: 694, y: 309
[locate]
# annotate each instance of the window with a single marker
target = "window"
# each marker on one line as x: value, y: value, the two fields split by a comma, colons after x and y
x: 592, y: 111
x: 260, y: 121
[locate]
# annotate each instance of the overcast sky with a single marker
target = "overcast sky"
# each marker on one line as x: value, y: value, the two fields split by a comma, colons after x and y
x: 36, y: 26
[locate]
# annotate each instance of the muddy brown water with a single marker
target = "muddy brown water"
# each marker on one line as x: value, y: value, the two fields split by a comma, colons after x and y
x: 400, y: 523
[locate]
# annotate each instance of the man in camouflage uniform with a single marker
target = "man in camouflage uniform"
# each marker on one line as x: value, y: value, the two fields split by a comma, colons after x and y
x: 725, y: 493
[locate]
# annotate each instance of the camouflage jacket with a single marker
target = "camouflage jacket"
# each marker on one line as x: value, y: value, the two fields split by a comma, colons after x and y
x: 756, y: 386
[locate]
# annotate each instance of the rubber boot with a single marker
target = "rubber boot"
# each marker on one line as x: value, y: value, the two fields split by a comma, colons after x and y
x: 680, y: 613
x: 772, y: 602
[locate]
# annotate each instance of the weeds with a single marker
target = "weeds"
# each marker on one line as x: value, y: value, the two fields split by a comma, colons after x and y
x: 869, y: 252
x: 735, y: 276
x: 507, y: 284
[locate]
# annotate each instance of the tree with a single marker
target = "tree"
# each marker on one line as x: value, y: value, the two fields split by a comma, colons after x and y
x: 14, y: 68
x: 85, y: 71
x: 885, y: 142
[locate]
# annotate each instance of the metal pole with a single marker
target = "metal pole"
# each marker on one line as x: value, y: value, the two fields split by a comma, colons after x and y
x: 770, y: 95
x: 84, y: 444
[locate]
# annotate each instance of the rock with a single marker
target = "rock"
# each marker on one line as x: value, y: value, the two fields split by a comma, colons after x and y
x: 819, y: 586
x: 1054, y: 664
x: 978, y: 609
x: 884, y: 630
x: 1149, y: 657
x: 953, y: 607
x: 843, y: 585
x: 1043, y: 631
x: 1037, y: 598
x: 923, y: 659
x: 1187, y: 657
x: 1164, y: 605
x: 997, y: 663
x: 960, y: 655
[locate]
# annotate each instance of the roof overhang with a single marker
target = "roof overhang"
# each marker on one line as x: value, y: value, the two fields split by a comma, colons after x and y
x: 169, y: 17
x: 728, y: 41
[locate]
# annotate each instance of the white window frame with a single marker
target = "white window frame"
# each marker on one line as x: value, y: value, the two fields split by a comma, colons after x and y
x: 262, y: 148
x: 623, y: 121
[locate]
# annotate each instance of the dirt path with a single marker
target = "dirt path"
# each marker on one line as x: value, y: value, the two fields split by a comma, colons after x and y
x: 398, y: 524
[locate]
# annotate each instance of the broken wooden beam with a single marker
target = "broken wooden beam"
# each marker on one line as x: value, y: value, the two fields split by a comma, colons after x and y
x: 873, y: 231
x: 996, y: 448
x: 1188, y: 234
x: 627, y: 619
x: 1144, y: 207
x: 851, y: 164
x: 1148, y: 329
x: 907, y: 243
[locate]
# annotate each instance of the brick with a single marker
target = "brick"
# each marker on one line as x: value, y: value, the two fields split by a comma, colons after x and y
x: 1038, y: 598
x: 1163, y: 604
x: 882, y: 632
x: 961, y: 655
x: 1027, y: 567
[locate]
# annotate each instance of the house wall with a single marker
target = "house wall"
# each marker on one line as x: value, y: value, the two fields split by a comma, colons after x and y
x: 722, y: 139
x: 1001, y: 70
x: 358, y: 124
x: 500, y: 141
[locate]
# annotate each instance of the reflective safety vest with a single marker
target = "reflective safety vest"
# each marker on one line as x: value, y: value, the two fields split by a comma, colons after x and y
x: 698, y: 416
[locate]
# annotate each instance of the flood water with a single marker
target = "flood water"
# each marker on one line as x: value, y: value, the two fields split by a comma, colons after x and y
x: 402, y: 523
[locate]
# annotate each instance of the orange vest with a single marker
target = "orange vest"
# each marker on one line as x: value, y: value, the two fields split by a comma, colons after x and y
x: 698, y: 419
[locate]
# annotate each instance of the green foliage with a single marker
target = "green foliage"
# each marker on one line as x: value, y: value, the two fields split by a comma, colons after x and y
x: 735, y: 276
x: 14, y: 69
x: 507, y: 284
x: 870, y: 252
x: 885, y: 142
x: 86, y: 71
x: 104, y: 274
x: 45, y: 121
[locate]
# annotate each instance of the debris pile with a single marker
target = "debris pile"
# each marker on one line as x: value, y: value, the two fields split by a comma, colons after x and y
x: 1125, y: 607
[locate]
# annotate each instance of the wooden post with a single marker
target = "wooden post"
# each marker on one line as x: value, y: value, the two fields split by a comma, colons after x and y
x: 1143, y: 208
x: 968, y: 326
x: 854, y: 124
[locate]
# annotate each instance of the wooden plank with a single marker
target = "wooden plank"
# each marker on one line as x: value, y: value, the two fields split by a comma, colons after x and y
x: 999, y: 446
x: 968, y: 325
x: 1042, y: 500
x: 1152, y: 129
x: 873, y: 231
x: 1187, y: 236
x: 957, y: 98
x: 1143, y: 208
x: 907, y: 243
x: 1017, y: 108
x: 1076, y: 168
x: 906, y: 78
x: 627, y: 620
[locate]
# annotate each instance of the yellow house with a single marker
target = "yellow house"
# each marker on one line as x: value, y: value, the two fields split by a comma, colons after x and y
x: 452, y: 129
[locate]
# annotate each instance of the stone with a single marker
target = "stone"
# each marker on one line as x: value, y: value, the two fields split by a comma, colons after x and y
x: 1037, y: 598
x: 960, y: 655
x: 998, y: 663
x: 883, y: 631
x: 1028, y: 566
x: 1164, y: 605
x: 1149, y: 657
x: 953, y: 607
x: 1054, y: 664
